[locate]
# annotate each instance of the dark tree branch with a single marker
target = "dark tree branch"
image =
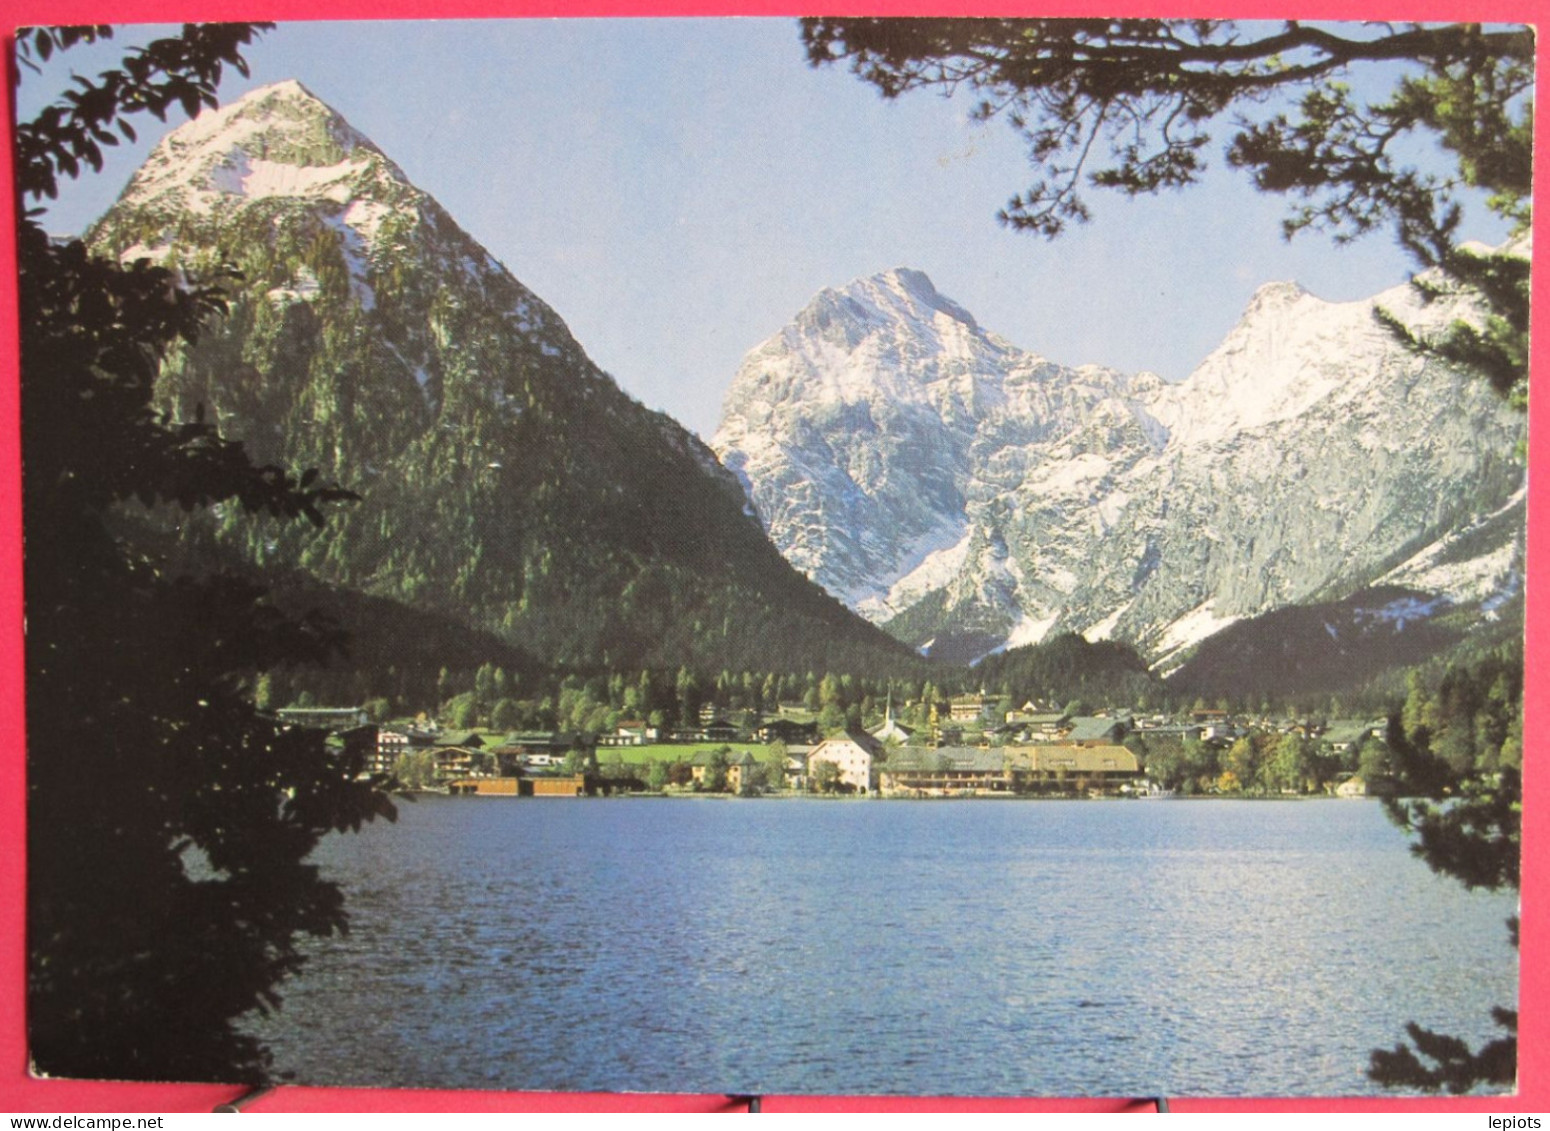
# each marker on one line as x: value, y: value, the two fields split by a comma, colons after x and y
x: 1172, y: 71
x: 68, y: 137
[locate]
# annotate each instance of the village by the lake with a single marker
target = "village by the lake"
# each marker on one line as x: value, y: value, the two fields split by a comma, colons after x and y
x: 972, y: 746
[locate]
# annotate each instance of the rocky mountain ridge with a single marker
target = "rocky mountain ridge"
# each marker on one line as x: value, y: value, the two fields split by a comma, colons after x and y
x: 972, y: 496
x: 506, y: 481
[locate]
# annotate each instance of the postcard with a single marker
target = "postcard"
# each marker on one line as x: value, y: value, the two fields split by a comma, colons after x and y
x: 841, y: 556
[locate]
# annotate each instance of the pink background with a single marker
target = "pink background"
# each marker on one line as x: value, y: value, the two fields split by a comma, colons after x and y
x: 20, y: 1093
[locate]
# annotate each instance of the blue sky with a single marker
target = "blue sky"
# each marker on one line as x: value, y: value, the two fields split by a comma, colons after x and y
x: 677, y: 189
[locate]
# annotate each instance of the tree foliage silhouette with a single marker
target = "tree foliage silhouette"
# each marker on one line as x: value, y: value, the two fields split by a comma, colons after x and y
x: 168, y: 822
x: 1467, y: 824
x: 1127, y: 105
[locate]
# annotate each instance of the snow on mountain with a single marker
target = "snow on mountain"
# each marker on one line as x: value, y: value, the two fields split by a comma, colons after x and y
x: 935, y: 569
x: 859, y: 428
x: 1283, y: 357
x: 943, y: 481
x: 280, y: 153
x: 247, y: 149
x: 1480, y: 561
x: 505, y: 480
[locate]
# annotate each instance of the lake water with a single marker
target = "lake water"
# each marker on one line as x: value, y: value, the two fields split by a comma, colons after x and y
x: 838, y: 947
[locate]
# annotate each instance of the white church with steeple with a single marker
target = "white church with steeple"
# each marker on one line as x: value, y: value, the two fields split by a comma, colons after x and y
x: 891, y: 730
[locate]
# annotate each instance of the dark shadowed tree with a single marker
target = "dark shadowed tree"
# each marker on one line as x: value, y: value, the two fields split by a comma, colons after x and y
x: 168, y: 821
x: 714, y: 779
x: 823, y: 776
x: 1467, y: 824
x: 1129, y: 105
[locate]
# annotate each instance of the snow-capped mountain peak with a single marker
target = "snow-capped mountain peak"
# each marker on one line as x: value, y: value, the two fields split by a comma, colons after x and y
x: 883, y: 310
x: 268, y: 113
x: 908, y: 290
x: 281, y: 152
x: 1280, y: 294
x: 505, y: 480
x: 932, y: 474
x: 276, y: 141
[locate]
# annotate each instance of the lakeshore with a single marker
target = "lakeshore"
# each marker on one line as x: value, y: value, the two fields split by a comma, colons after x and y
x: 980, y: 750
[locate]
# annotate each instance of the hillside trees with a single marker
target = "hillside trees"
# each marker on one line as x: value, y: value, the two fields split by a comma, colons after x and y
x: 1127, y: 105
x: 598, y: 703
x: 1068, y: 667
x: 168, y: 822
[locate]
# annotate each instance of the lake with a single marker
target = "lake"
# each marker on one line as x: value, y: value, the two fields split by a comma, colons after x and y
x: 1090, y: 948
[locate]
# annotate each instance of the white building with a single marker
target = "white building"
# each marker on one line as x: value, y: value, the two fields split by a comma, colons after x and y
x: 854, y: 753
